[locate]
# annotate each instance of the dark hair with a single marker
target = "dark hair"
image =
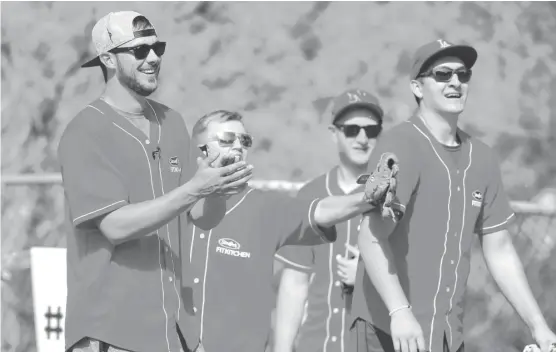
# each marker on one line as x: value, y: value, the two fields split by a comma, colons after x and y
x: 219, y: 116
x: 141, y: 22
x: 104, y: 72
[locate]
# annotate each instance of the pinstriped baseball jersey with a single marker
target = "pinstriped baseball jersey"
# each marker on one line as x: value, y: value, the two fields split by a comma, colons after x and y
x: 327, y: 322
x: 125, y: 295
x: 448, y: 200
x: 230, y: 273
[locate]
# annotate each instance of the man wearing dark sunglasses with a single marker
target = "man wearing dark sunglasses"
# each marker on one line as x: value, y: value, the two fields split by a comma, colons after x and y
x: 323, y: 276
x: 413, y: 298
x: 128, y: 178
x: 228, y: 283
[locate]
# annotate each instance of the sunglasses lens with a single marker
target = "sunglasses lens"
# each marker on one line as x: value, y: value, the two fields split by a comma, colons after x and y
x: 464, y: 76
x: 351, y: 130
x: 245, y: 140
x: 443, y: 75
x: 226, y: 138
x: 373, y: 131
x: 159, y: 48
x: 141, y: 52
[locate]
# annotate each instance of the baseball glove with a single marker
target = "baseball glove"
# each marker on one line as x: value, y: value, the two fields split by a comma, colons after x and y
x: 380, y: 186
x: 535, y: 348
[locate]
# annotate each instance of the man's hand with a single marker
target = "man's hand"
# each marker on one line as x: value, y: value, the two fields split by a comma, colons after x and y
x: 546, y: 339
x: 220, y: 180
x: 347, y: 267
x: 407, y: 334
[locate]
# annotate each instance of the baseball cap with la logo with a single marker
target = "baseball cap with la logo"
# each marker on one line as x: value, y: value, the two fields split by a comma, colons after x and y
x: 353, y: 98
x: 430, y: 52
x: 114, y: 30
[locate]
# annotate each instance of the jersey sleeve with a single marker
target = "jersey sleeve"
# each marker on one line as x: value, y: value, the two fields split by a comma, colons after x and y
x: 496, y: 212
x: 395, y: 142
x: 300, y: 258
x: 293, y: 223
x: 92, y: 185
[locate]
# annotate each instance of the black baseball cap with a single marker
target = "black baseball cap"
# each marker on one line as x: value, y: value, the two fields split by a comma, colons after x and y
x: 430, y: 52
x: 355, y: 98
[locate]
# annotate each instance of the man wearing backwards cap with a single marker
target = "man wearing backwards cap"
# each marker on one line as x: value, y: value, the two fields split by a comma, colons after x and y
x: 324, y: 275
x: 129, y: 179
x: 452, y: 190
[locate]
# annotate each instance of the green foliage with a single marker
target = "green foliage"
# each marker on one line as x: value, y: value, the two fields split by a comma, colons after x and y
x: 279, y: 64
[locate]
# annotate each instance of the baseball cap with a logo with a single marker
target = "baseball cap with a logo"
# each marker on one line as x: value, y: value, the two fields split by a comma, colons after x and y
x: 430, y: 52
x: 114, y: 30
x: 355, y: 98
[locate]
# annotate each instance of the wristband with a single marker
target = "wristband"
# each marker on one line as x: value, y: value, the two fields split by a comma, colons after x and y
x: 398, y: 309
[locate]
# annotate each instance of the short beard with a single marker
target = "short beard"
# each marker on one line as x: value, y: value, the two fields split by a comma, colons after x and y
x: 133, y: 84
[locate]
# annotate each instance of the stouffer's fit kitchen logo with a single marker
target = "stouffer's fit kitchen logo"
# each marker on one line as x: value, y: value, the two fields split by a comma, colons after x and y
x: 231, y: 247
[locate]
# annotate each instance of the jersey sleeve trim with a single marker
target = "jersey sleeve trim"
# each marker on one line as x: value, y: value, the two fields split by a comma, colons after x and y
x: 292, y: 264
x: 95, y: 213
x: 500, y: 226
x: 326, y: 235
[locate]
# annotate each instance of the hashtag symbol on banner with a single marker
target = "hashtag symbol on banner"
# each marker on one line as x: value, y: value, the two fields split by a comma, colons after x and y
x: 50, y: 328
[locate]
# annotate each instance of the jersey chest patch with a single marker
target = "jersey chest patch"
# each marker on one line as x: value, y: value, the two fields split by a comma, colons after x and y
x: 174, y: 164
x: 477, y: 199
x: 231, y: 247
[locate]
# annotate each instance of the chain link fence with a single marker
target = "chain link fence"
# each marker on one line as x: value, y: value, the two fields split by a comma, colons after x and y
x: 33, y: 216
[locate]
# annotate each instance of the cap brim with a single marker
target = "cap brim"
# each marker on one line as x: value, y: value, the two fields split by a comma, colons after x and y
x: 466, y: 53
x: 369, y: 106
x: 92, y: 63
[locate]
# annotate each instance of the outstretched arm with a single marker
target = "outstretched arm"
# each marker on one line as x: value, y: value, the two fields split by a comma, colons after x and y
x: 335, y: 209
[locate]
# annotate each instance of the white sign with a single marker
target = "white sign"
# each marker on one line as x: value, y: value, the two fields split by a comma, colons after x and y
x: 48, y: 278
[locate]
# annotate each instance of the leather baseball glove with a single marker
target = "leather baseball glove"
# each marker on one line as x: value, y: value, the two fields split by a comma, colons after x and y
x: 380, y: 186
x: 535, y: 348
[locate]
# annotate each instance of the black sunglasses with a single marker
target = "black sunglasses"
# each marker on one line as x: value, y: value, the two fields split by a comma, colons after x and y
x: 142, y: 51
x: 227, y: 138
x: 443, y: 74
x: 351, y: 131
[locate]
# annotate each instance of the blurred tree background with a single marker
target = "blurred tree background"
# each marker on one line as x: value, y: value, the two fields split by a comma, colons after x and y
x: 280, y: 63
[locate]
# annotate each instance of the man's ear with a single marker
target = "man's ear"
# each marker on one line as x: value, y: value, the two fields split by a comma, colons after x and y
x: 417, y: 88
x: 108, y: 60
x: 333, y: 130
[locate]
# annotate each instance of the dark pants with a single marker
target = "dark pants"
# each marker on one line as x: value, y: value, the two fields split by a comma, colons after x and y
x: 365, y: 337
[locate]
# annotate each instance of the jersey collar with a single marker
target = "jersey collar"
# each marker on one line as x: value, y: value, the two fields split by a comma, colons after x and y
x: 333, y: 186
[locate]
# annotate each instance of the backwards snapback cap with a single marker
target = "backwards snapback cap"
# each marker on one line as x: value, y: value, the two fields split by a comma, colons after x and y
x: 353, y: 98
x: 430, y: 52
x: 114, y: 30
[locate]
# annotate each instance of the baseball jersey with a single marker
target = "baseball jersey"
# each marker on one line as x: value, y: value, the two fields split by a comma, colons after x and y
x: 447, y: 201
x: 327, y: 314
x: 228, y: 281
x: 125, y: 295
